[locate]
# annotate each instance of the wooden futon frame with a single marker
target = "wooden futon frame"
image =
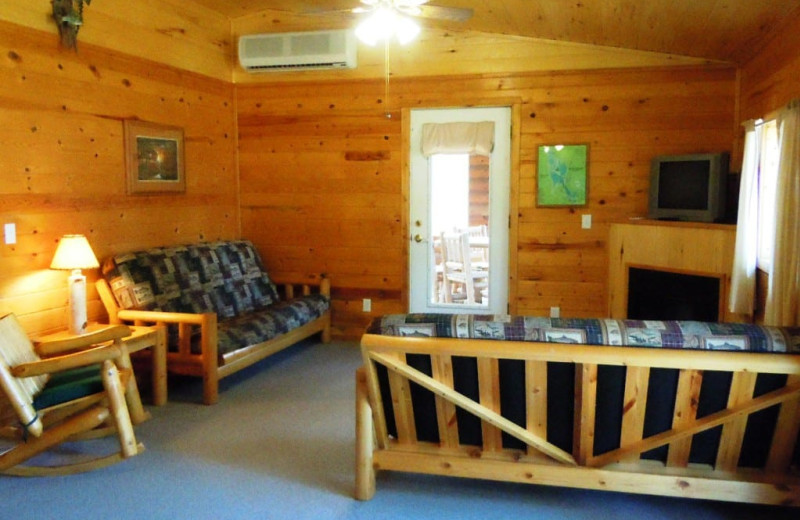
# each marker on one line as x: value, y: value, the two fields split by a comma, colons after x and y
x: 410, y: 417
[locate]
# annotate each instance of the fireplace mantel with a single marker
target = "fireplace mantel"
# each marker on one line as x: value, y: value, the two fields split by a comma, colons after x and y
x: 682, y: 247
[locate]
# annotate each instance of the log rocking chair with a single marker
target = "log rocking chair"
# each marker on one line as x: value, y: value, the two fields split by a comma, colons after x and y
x: 68, y: 390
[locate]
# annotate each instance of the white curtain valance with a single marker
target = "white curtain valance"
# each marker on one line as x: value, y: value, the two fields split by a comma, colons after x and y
x: 469, y: 138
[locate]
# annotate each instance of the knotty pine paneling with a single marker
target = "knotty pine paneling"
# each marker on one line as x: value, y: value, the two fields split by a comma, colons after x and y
x: 172, y: 32
x: 62, y: 167
x: 322, y: 179
x: 769, y: 80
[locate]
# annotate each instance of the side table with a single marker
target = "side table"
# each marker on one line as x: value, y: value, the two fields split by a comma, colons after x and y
x: 142, y: 337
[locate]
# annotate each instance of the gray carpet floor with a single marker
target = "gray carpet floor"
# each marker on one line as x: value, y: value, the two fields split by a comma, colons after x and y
x: 280, y: 445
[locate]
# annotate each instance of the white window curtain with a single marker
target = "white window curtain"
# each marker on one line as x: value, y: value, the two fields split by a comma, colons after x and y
x: 783, y: 295
x: 743, y: 278
x: 458, y: 138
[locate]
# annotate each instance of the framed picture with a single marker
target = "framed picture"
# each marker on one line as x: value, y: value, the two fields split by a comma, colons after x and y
x: 561, y: 178
x: 154, y: 157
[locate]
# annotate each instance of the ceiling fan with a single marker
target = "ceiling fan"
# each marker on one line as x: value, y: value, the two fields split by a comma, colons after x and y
x: 386, y: 18
x: 417, y: 8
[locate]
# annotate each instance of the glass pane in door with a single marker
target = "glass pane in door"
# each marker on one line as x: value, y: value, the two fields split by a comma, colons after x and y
x: 459, y: 206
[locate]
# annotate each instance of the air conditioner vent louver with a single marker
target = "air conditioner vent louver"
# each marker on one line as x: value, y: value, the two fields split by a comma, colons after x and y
x: 298, y: 51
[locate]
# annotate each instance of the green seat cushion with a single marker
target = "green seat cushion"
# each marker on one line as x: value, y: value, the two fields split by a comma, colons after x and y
x: 69, y: 385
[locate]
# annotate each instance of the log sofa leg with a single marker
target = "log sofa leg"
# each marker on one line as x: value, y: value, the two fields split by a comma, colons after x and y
x: 365, y: 471
x: 208, y: 328
x: 325, y: 288
x: 326, y: 332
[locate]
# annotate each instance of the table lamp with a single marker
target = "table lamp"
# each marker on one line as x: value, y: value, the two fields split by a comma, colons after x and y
x: 73, y: 254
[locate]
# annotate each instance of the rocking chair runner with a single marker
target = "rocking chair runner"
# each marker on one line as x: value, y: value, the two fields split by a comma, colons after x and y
x: 84, y: 398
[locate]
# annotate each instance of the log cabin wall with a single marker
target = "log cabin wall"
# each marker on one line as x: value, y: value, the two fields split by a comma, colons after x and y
x: 62, y: 165
x: 323, y: 187
x: 178, y: 33
x: 769, y: 80
x: 478, y: 190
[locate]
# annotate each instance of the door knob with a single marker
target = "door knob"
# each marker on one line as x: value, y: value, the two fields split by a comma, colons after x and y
x: 417, y: 238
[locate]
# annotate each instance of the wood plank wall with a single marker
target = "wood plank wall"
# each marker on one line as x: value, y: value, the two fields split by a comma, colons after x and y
x: 322, y: 186
x: 769, y: 80
x: 478, y: 190
x: 173, y: 32
x: 62, y: 166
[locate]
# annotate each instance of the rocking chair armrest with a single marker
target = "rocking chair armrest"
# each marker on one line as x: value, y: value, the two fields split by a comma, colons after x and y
x: 51, y: 347
x: 81, y: 358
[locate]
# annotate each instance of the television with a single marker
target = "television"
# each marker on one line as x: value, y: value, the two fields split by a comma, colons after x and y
x: 689, y: 187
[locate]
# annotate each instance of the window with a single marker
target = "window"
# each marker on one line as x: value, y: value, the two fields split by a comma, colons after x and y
x: 768, y: 227
x: 449, y: 192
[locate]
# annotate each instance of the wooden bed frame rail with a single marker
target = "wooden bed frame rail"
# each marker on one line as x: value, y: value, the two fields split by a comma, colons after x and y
x: 542, y: 461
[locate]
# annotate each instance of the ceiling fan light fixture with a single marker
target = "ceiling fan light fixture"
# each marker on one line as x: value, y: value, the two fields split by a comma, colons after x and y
x: 405, y: 30
x: 384, y: 23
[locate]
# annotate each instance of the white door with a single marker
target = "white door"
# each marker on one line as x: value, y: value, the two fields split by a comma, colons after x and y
x: 450, y: 193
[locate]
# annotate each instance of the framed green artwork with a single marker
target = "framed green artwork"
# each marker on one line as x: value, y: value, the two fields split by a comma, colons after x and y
x: 561, y: 178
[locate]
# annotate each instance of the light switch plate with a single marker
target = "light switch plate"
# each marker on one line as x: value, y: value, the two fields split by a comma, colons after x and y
x: 586, y: 221
x: 10, y: 233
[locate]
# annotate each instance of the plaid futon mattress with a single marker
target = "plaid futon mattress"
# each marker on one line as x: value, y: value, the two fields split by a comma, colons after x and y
x: 638, y: 333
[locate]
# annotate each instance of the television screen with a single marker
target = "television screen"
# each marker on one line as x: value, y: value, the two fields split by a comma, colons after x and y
x: 683, y: 185
x: 688, y: 187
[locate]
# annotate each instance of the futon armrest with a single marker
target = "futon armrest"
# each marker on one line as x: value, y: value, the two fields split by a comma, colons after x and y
x: 207, y: 322
x: 323, y: 285
x: 164, y: 317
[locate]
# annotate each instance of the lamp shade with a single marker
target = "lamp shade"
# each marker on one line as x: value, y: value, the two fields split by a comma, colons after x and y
x: 74, y: 252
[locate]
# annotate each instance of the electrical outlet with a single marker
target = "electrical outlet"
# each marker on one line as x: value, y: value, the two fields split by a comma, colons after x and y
x: 366, y: 305
x: 555, y: 312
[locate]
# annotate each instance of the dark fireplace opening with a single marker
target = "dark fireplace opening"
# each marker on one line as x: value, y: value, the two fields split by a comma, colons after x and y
x: 666, y: 295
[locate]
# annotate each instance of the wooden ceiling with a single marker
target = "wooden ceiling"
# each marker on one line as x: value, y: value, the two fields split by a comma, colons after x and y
x: 724, y: 30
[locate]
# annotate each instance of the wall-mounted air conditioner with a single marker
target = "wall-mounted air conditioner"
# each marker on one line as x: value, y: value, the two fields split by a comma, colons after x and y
x: 298, y: 51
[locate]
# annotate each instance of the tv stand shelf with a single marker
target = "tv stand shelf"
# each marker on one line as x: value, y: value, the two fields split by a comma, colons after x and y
x: 695, y: 248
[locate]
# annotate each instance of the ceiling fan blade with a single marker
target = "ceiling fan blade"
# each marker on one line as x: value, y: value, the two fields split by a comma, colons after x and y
x: 323, y: 12
x: 410, y: 10
x: 454, y: 14
x: 409, y: 3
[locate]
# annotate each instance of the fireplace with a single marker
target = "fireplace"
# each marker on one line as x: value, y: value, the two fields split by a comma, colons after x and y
x: 699, y: 251
x: 669, y: 295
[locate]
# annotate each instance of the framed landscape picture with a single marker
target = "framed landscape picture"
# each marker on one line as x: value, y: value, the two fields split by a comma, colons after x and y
x: 561, y: 178
x: 153, y: 157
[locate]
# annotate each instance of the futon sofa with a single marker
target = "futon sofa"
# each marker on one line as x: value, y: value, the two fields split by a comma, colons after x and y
x: 688, y: 409
x: 222, y: 310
